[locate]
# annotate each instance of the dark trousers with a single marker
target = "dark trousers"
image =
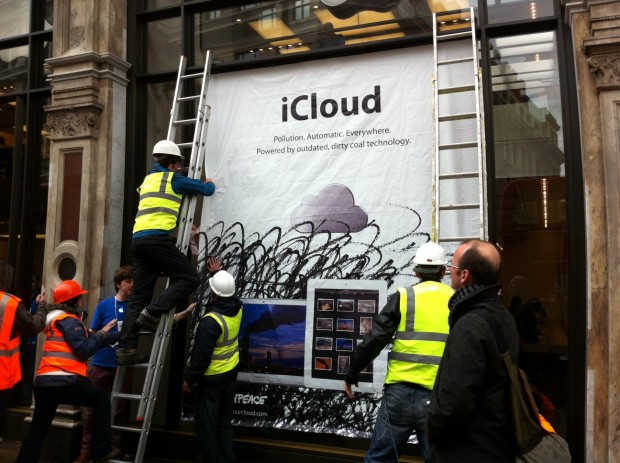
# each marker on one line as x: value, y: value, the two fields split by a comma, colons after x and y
x: 214, y: 429
x: 27, y: 358
x: 152, y: 256
x: 47, y: 400
x: 103, y: 378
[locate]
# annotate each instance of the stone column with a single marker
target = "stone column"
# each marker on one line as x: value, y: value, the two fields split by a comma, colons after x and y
x: 596, y: 38
x: 86, y: 118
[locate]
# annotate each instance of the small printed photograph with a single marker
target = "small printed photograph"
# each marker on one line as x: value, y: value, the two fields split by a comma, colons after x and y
x: 365, y: 306
x: 365, y: 324
x: 325, y: 324
x: 343, y: 364
x: 346, y: 305
x: 367, y: 369
x: 324, y: 343
x: 344, y: 344
x: 322, y: 363
x: 325, y: 305
x: 345, y: 324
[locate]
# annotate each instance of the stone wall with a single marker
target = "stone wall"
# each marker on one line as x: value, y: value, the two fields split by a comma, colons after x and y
x: 595, y: 27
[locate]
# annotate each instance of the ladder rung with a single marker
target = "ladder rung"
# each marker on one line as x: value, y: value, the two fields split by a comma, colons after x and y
x: 457, y: 117
x: 189, y: 98
x: 457, y: 146
x: 123, y: 395
x: 465, y: 59
x: 454, y: 35
x: 454, y: 207
x: 185, y: 121
x: 127, y: 428
x: 192, y: 76
x: 459, y: 175
x: 457, y: 89
x: 189, y: 144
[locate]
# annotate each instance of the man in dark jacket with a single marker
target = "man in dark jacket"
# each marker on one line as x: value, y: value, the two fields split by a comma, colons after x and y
x: 469, y: 419
x: 212, y: 371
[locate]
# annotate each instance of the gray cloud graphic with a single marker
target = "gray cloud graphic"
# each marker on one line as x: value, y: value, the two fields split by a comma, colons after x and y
x: 332, y: 210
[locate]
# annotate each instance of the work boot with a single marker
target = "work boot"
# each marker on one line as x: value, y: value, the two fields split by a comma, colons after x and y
x: 147, y: 322
x: 127, y: 357
x: 83, y: 458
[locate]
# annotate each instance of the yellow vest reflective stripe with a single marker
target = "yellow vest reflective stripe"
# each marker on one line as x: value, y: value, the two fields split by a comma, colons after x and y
x: 421, y: 335
x: 159, y: 204
x: 225, y: 355
x: 10, y: 371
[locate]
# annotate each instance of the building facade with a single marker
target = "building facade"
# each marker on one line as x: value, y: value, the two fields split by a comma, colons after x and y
x: 85, y: 91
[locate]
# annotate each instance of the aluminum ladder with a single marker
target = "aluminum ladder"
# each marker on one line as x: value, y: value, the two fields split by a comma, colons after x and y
x: 185, y: 84
x: 459, y: 166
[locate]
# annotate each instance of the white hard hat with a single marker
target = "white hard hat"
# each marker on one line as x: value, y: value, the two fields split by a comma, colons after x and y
x: 167, y: 147
x: 429, y: 258
x: 222, y: 284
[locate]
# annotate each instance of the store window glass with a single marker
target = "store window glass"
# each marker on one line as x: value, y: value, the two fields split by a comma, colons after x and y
x: 7, y: 145
x: 271, y: 29
x: 530, y: 204
x: 501, y: 11
x: 13, y: 69
x: 48, y: 15
x: 152, y: 4
x: 14, y: 18
x: 158, y: 101
x: 163, y: 44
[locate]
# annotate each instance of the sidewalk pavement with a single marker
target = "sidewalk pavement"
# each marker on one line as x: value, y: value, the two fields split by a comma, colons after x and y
x: 10, y: 448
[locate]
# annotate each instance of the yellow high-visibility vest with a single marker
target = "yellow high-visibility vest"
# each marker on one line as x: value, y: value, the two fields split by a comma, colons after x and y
x: 226, y: 353
x: 421, y: 335
x: 159, y: 204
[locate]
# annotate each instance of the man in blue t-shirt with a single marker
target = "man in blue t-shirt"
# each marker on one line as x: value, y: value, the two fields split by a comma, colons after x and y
x: 102, y: 369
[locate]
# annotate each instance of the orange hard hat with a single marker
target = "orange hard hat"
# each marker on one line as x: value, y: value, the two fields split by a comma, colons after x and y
x: 67, y: 290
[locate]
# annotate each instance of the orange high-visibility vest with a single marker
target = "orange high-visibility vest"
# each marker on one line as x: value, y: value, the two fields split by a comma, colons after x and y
x: 57, y: 355
x: 10, y: 372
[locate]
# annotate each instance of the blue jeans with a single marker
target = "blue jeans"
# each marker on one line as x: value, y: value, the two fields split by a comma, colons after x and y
x: 403, y: 410
x: 214, y: 429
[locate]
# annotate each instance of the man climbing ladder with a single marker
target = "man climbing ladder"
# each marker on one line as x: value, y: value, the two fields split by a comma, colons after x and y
x: 154, y: 251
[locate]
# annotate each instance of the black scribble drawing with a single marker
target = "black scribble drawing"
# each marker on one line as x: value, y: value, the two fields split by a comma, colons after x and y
x: 315, y: 410
x: 278, y: 265
x: 332, y: 210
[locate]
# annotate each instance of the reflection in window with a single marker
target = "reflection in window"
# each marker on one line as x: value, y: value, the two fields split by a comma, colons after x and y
x: 302, y: 9
x: 271, y: 29
x: 14, y: 18
x: 158, y: 104
x: 530, y: 202
x: 163, y: 44
x: 13, y: 69
x: 501, y: 11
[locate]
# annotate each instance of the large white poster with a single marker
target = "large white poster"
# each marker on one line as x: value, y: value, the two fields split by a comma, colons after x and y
x: 323, y: 170
x: 323, y: 173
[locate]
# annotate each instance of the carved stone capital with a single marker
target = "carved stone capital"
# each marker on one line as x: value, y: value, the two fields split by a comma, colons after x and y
x: 606, y: 68
x: 71, y: 124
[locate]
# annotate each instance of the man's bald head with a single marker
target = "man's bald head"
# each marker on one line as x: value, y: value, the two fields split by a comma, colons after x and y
x: 482, y: 260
